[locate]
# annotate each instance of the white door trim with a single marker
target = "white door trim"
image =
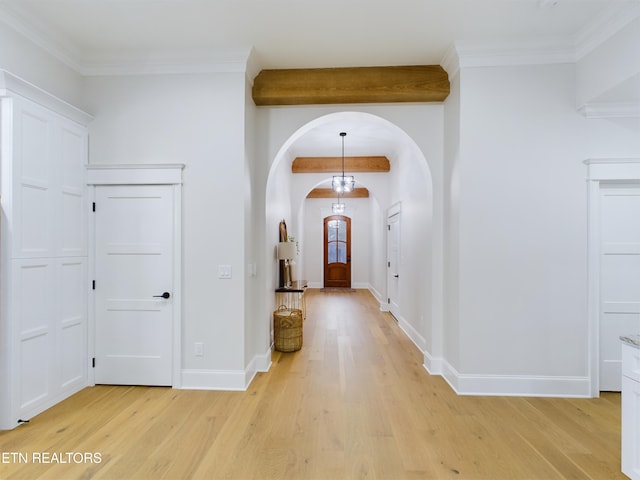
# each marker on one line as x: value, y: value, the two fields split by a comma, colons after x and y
x: 169, y: 174
x: 393, y: 215
x: 600, y: 171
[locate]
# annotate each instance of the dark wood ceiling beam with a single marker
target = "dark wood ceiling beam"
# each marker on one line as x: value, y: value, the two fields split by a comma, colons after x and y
x: 314, y: 86
x: 328, y: 193
x: 334, y: 164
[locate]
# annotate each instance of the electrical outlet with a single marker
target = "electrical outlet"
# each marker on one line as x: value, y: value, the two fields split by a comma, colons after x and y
x: 199, y: 349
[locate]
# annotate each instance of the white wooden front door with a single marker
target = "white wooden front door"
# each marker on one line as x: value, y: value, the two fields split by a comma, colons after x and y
x: 619, y: 276
x: 134, y: 232
x: 393, y: 261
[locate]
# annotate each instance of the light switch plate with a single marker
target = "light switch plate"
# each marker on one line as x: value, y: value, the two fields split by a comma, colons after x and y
x: 224, y: 271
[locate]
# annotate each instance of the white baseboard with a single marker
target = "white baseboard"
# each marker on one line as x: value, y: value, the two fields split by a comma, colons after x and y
x: 259, y: 363
x: 384, y: 306
x: 213, y: 380
x: 417, y: 339
x: 515, y: 385
x: 431, y: 364
x: 226, y: 379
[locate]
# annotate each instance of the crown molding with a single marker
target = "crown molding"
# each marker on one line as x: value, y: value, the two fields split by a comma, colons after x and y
x: 155, y: 62
x: 536, y: 52
x: 12, y: 84
x: 605, y: 26
x: 127, y: 62
x: 568, y: 49
x: 42, y: 37
x: 254, y: 65
x: 507, y: 53
x: 611, y: 110
x: 451, y: 61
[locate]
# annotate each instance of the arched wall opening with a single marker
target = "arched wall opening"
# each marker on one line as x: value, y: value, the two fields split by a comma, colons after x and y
x: 409, y: 184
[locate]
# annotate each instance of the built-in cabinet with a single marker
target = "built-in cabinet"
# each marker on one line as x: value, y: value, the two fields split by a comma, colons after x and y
x: 43, y: 243
x: 631, y: 411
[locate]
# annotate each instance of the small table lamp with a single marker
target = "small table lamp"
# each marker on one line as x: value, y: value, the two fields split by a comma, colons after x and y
x: 287, y: 251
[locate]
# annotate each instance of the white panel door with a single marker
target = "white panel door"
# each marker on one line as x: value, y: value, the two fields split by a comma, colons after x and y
x: 34, y: 308
x: 35, y: 169
x: 134, y: 248
x: 619, y: 277
x: 71, y: 217
x: 393, y: 261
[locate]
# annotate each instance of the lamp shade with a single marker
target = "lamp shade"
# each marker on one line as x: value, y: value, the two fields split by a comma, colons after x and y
x: 287, y: 250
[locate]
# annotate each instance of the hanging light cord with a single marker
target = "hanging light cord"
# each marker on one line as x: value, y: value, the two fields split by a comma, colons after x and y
x: 343, y: 134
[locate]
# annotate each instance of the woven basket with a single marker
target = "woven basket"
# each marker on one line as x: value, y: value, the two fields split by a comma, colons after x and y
x: 287, y: 329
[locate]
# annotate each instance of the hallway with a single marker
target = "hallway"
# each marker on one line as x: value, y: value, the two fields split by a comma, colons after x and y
x: 355, y: 402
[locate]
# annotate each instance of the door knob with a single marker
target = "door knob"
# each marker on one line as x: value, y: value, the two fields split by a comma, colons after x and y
x: 164, y: 295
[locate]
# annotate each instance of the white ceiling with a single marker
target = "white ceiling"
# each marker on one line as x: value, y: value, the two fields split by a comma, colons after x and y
x: 303, y: 33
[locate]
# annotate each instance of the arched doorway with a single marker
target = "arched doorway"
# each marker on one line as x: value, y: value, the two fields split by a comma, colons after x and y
x: 409, y: 183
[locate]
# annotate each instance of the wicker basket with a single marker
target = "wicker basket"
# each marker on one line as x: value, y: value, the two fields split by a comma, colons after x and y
x: 287, y: 329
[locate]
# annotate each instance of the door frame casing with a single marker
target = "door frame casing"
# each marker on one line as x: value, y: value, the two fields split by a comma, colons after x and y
x: 152, y: 174
x: 600, y: 171
x: 393, y: 216
x: 325, y: 221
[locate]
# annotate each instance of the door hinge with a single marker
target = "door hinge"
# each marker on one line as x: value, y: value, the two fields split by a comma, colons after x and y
x: 389, y: 264
x: 93, y: 285
x: 388, y: 226
x: 388, y: 300
x: 93, y: 362
x: 93, y: 206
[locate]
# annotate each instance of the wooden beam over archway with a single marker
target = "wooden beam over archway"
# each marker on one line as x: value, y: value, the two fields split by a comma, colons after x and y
x: 334, y: 164
x: 314, y: 86
x: 329, y: 193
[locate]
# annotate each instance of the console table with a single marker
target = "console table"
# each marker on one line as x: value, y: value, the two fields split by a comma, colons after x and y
x: 293, y: 297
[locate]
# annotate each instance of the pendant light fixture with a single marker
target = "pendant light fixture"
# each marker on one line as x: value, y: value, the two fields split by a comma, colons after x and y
x: 343, y: 184
x: 338, y: 208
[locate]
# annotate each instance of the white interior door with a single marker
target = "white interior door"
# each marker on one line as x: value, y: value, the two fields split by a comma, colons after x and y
x: 393, y: 262
x: 619, y: 277
x: 134, y: 228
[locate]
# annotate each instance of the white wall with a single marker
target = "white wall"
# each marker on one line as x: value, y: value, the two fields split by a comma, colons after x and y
x: 378, y: 252
x: 523, y: 223
x: 451, y: 235
x: 198, y: 120
x: 411, y: 188
x: 256, y: 332
x: 521, y: 276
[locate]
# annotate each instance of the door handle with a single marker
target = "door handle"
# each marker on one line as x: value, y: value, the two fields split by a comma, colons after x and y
x: 164, y: 295
x: 396, y: 276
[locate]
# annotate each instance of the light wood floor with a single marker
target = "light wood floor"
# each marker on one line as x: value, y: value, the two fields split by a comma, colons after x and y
x: 355, y: 402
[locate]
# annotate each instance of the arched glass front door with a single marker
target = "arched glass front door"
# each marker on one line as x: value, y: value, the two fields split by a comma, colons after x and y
x: 337, y: 251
